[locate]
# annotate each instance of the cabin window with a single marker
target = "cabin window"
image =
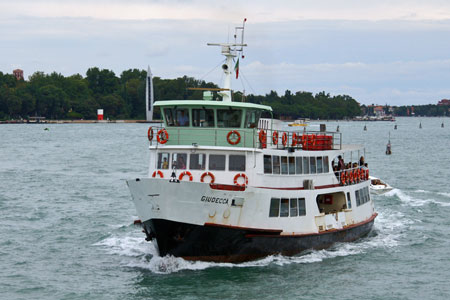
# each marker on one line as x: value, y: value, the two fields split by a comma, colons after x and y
x: 163, y: 160
x: 319, y: 165
x: 179, y: 161
x: 305, y: 165
x: 203, y: 117
x: 197, y: 161
x: 291, y: 161
x: 284, y: 207
x: 349, y: 201
x: 312, y: 165
x: 252, y: 118
x: 274, y: 207
x: 276, y: 164
x: 237, y: 163
x: 293, y: 207
x: 298, y: 165
x: 229, y: 118
x: 326, y: 168
x: 267, y: 164
x: 358, y: 201
x: 284, y: 165
x: 217, y: 162
x: 177, y: 117
x: 301, y: 207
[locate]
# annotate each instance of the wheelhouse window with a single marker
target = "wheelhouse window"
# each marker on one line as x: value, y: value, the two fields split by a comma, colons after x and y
x: 267, y: 164
x: 217, y: 162
x: 163, y: 160
x: 252, y: 118
x: 197, y: 161
x: 203, y: 117
x: 179, y: 161
x: 326, y: 168
x: 274, y: 207
x: 276, y: 164
x: 229, y: 118
x: 236, y: 163
x: 319, y: 165
x: 176, y: 117
x: 291, y: 162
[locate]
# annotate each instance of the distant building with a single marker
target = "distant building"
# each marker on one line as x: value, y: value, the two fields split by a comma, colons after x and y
x: 444, y: 102
x: 18, y: 73
x: 378, y: 111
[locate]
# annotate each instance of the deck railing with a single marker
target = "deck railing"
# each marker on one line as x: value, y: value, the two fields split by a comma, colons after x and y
x: 246, y: 137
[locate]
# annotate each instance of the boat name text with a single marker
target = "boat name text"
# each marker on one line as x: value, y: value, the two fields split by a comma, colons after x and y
x: 214, y: 200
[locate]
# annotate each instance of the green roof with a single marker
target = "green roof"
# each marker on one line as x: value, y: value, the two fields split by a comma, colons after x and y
x: 211, y: 103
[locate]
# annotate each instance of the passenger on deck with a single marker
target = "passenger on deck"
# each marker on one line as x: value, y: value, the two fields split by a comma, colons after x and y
x: 165, y: 164
x: 361, y: 161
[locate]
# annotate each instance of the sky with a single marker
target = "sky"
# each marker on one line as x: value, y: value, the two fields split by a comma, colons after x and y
x: 378, y: 52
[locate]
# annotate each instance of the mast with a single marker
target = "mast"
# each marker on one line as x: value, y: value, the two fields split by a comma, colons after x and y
x: 230, y: 51
x: 149, y: 95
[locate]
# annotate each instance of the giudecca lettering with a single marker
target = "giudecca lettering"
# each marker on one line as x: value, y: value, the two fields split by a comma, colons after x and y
x: 214, y: 200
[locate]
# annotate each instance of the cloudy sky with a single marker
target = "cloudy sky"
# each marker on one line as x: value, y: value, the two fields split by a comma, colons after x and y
x: 395, y: 52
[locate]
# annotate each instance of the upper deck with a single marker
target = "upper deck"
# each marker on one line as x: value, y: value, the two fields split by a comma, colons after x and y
x: 232, y: 124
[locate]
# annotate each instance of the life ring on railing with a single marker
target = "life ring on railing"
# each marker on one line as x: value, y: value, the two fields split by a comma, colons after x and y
x: 263, y: 138
x: 342, y: 178
x: 237, y: 177
x: 347, y: 177
x: 207, y: 174
x: 284, y: 139
x: 294, y: 139
x: 367, y: 174
x: 232, y: 141
x: 186, y: 173
x: 162, y: 136
x: 275, y: 137
x: 351, y: 176
x: 161, y: 175
x: 150, y: 133
x: 361, y: 174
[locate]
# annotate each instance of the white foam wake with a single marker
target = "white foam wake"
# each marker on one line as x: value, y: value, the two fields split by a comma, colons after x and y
x: 415, y: 201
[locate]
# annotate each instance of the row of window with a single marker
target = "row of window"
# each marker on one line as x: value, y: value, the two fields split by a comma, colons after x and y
x: 285, y: 207
x: 362, y: 196
x: 203, y: 117
x: 198, y: 161
x: 274, y: 164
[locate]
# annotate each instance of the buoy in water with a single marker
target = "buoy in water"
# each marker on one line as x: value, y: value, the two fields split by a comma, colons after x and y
x: 46, y: 128
x: 420, y: 125
x: 442, y: 125
x: 395, y: 127
x: 388, y: 149
x: 365, y: 128
x: 337, y: 128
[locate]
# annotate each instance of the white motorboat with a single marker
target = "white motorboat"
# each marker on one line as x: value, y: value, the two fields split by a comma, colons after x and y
x: 378, y: 186
x: 227, y: 185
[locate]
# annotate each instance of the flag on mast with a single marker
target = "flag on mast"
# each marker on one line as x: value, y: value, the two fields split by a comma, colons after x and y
x: 236, y: 68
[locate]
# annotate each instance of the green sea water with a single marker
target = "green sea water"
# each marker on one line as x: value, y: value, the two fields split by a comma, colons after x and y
x: 66, y: 223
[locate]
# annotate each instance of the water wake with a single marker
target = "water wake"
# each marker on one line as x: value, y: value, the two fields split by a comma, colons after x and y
x: 416, y: 201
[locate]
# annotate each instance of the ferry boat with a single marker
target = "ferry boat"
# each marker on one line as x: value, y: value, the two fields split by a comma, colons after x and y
x: 227, y: 184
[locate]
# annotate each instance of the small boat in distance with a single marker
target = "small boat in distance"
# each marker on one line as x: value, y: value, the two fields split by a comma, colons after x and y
x: 299, y: 122
x: 378, y: 186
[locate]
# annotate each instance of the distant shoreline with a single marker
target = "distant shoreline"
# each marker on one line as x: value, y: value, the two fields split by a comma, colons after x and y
x: 75, y: 121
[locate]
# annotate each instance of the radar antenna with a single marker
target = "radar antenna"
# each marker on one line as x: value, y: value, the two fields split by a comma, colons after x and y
x: 231, y: 50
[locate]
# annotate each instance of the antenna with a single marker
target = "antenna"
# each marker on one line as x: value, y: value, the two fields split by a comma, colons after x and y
x: 230, y: 51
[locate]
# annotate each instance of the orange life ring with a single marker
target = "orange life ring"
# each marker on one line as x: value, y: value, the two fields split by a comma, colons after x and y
x: 347, y: 177
x: 161, y: 175
x: 207, y: 174
x: 150, y: 133
x: 275, y: 137
x: 162, y: 136
x: 185, y: 173
x: 237, y: 177
x: 343, y: 178
x: 294, y: 139
x: 284, y: 139
x: 351, y: 176
x: 355, y: 175
x: 232, y: 142
x: 263, y: 138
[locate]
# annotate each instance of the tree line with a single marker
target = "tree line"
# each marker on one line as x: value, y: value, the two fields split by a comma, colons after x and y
x: 55, y: 96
